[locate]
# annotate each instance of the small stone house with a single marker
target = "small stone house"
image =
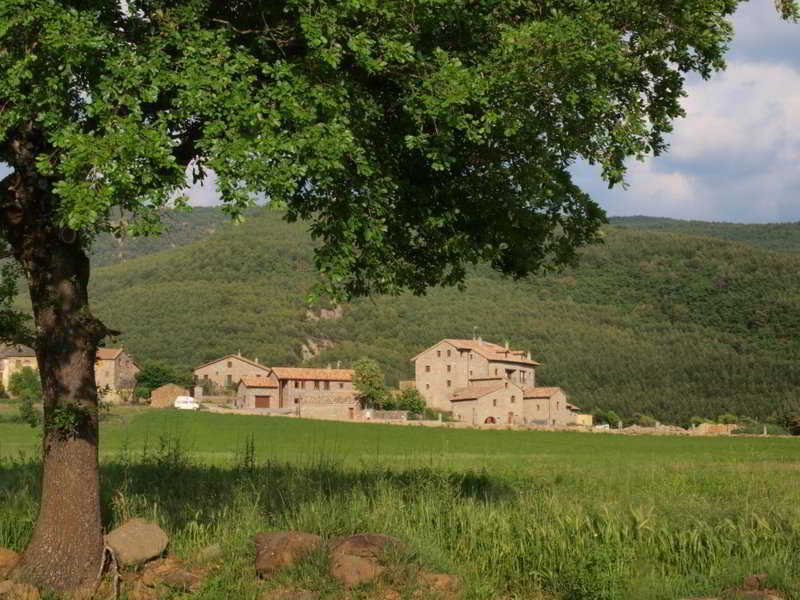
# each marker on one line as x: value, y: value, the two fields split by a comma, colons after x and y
x: 225, y: 373
x: 164, y: 396
x: 548, y: 406
x: 255, y: 391
x: 297, y: 386
x: 115, y: 373
x: 488, y: 402
x: 14, y: 358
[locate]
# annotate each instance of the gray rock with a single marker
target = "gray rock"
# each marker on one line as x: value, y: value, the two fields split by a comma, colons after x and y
x: 278, y: 550
x: 137, y: 541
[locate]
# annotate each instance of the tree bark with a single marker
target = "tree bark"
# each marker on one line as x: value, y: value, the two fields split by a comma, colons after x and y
x: 66, y: 548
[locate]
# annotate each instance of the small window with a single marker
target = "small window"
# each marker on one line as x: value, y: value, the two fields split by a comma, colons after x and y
x: 230, y: 364
x: 297, y: 400
x: 341, y: 386
x: 438, y: 353
x: 449, y: 383
x: 427, y: 386
x: 427, y: 368
x: 327, y: 385
x: 296, y: 384
x: 302, y: 385
x: 494, y: 401
x: 506, y: 385
x: 557, y: 405
x: 495, y: 371
x: 448, y: 353
x: 258, y: 374
x: 538, y: 407
x: 513, y: 399
x: 316, y: 384
x: 449, y: 368
x: 470, y: 373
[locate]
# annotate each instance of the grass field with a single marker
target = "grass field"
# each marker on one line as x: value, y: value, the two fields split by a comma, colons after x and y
x: 513, y: 514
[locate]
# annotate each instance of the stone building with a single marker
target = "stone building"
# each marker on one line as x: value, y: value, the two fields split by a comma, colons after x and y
x: 453, y: 364
x: 224, y: 373
x: 299, y: 385
x: 489, y: 401
x: 548, y: 406
x: 115, y: 373
x: 114, y: 370
x: 14, y: 358
x: 255, y: 391
x: 164, y: 396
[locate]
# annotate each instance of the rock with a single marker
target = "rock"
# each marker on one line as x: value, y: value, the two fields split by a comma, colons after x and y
x: 10, y: 590
x: 283, y: 593
x: 171, y: 573
x: 8, y: 560
x: 278, y: 550
x: 356, y: 559
x: 137, y: 541
x: 210, y: 553
x: 365, y: 545
x: 353, y: 570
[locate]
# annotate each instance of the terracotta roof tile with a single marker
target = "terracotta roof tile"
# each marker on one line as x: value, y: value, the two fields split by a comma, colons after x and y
x: 237, y: 356
x: 489, y: 351
x: 314, y: 374
x: 108, y: 353
x: 256, y: 381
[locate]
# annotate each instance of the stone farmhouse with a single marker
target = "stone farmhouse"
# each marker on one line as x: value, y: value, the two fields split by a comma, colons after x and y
x: 115, y: 371
x: 485, y: 383
x: 225, y: 373
x: 315, y: 393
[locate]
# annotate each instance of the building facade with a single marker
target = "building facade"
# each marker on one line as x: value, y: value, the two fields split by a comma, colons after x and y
x: 489, y: 402
x: 226, y: 372
x: 114, y: 370
x: 299, y: 385
x: 255, y: 391
x: 453, y: 364
x: 548, y: 406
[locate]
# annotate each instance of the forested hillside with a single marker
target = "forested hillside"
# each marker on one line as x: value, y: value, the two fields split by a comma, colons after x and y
x: 664, y: 324
x: 782, y: 237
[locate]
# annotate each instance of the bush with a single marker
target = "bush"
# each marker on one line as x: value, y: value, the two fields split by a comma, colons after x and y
x: 410, y: 400
x: 26, y: 386
x: 792, y: 424
x: 645, y: 421
x: 727, y: 419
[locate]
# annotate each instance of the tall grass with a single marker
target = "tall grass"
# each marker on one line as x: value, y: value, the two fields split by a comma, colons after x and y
x: 505, y: 536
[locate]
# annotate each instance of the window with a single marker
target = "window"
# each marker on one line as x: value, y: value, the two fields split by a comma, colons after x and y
x: 438, y: 354
x: 470, y: 373
x: 316, y: 384
x: 296, y: 384
x: 538, y: 407
x: 230, y: 364
x: 494, y: 401
x: 449, y: 383
x: 513, y: 399
x: 297, y: 400
x: 495, y: 371
x: 228, y: 380
x: 427, y: 368
x: 302, y: 385
x: 427, y: 386
x: 258, y: 374
x: 448, y: 354
x: 557, y: 405
x: 327, y: 385
x: 341, y: 386
x: 449, y: 368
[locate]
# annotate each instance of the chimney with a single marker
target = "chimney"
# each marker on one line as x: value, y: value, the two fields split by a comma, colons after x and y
x: 256, y: 360
x: 338, y: 364
x: 529, y: 355
x: 506, y: 345
x: 480, y: 340
x: 239, y: 353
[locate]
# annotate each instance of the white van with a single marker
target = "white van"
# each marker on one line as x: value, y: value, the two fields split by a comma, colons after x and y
x: 186, y: 403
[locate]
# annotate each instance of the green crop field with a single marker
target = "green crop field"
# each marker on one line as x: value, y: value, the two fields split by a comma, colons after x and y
x: 513, y: 514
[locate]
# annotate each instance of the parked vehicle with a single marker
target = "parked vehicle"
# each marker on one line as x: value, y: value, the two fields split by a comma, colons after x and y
x: 186, y: 403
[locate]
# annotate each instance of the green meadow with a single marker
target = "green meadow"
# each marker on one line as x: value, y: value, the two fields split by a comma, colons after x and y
x: 514, y: 514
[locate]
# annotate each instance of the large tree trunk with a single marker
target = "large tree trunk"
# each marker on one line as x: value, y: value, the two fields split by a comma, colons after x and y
x: 66, y: 549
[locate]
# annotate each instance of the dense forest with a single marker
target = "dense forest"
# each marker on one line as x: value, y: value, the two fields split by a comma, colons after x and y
x: 658, y: 323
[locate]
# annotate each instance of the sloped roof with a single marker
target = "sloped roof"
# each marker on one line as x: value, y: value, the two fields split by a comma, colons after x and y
x: 7, y: 350
x: 255, y: 381
x: 313, y: 374
x: 473, y: 392
x: 489, y: 350
x: 541, y: 392
x: 108, y: 353
x: 237, y: 356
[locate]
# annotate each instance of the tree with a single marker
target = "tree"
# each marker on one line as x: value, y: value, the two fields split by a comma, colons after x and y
x: 416, y: 139
x: 411, y: 400
x: 24, y: 385
x: 155, y: 374
x: 369, y: 382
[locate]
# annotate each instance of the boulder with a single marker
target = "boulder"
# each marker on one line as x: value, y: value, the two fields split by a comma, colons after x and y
x: 353, y: 570
x: 171, y: 573
x: 356, y: 559
x: 137, y: 541
x: 278, y: 550
x: 11, y: 590
x: 8, y: 560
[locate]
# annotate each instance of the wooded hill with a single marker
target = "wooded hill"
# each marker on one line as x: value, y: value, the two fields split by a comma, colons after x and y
x: 658, y: 323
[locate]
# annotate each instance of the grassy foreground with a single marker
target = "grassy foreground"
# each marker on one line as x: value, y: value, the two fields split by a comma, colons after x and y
x: 513, y: 514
